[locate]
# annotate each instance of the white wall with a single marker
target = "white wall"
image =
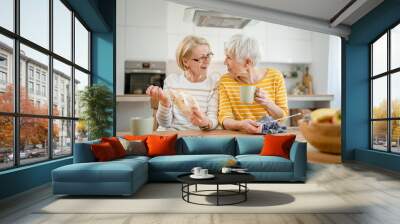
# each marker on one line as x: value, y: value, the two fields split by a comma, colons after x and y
x: 319, y: 66
x: 335, y: 70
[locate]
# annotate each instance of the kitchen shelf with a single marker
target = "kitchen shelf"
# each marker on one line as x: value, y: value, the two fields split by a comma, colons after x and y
x: 302, y: 98
x: 133, y: 98
x: 310, y: 97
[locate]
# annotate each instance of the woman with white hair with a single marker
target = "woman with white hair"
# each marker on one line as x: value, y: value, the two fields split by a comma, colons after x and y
x: 242, y: 55
x: 188, y: 100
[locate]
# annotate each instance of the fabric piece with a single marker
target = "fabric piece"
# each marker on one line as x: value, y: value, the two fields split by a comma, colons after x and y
x: 277, y: 145
x: 161, y: 145
x: 229, y: 94
x: 134, y: 147
x: 116, y: 145
x: 103, y: 152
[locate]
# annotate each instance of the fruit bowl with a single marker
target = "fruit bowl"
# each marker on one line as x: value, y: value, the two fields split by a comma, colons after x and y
x: 325, y: 137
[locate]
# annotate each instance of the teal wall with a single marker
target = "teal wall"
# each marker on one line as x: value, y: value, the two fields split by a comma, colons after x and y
x: 99, y: 16
x: 356, y: 99
x: 24, y: 178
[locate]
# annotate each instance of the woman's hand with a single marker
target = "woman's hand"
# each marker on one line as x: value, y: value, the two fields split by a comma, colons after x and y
x: 263, y: 98
x: 199, y: 118
x: 157, y: 93
x: 249, y: 126
x: 273, y: 110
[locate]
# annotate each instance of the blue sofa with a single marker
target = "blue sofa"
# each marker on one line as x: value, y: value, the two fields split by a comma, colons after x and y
x: 125, y: 176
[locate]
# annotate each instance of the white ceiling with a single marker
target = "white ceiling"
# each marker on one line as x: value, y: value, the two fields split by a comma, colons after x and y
x: 320, y: 9
x: 314, y: 15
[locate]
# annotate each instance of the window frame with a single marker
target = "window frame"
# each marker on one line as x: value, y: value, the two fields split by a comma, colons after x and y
x: 388, y: 74
x: 15, y: 72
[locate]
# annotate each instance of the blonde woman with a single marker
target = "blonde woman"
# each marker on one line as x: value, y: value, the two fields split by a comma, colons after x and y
x: 188, y: 100
x: 242, y: 55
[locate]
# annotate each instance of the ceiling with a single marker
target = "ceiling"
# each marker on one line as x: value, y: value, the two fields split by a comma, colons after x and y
x: 320, y: 9
x: 325, y: 16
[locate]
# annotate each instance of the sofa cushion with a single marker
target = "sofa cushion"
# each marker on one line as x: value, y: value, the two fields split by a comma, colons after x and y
x: 135, y: 137
x: 134, y: 147
x: 249, y: 144
x: 103, y: 152
x: 198, y: 145
x: 277, y: 145
x: 116, y: 145
x: 159, y: 145
x: 185, y: 163
x: 257, y: 163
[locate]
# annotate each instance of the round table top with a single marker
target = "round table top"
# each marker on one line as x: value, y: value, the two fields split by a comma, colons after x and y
x: 220, y: 178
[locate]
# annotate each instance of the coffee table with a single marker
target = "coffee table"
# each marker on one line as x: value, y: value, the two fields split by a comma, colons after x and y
x: 238, y: 179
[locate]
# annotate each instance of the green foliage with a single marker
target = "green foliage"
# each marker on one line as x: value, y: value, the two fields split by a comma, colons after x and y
x: 96, y: 102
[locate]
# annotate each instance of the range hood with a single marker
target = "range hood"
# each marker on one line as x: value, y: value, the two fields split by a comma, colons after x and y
x: 204, y: 18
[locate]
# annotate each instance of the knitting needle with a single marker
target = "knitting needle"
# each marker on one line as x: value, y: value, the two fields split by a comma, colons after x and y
x: 284, y: 118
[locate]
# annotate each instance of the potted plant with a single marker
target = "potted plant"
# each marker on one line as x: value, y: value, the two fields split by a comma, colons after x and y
x: 96, y: 103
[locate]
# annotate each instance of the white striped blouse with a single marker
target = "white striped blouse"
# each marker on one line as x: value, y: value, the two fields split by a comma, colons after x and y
x: 204, y: 92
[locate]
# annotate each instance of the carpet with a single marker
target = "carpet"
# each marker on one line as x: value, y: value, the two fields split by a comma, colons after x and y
x: 166, y: 198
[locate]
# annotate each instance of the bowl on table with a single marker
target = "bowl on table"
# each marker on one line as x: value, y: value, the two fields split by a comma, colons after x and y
x: 326, y: 137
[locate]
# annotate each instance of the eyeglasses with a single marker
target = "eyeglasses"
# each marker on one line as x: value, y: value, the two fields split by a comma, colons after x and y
x: 204, y: 58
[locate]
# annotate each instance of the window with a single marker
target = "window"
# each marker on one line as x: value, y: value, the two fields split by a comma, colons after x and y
x: 43, y: 90
x: 3, y: 78
x: 62, y: 74
x: 30, y: 72
x: 6, y: 73
x: 7, y: 14
x: 45, y: 131
x: 62, y: 29
x: 30, y: 87
x: 38, y: 89
x: 34, y: 21
x: 385, y: 97
x: 37, y: 74
x: 81, y: 45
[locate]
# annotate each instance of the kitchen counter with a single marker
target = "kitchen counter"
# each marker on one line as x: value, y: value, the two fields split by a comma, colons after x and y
x: 297, y: 98
x: 133, y: 98
x: 217, y: 132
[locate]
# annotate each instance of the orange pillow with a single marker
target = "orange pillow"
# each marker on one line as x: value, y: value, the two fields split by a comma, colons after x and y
x: 103, y: 151
x: 135, y: 137
x: 161, y: 145
x: 277, y: 145
x: 116, y: 145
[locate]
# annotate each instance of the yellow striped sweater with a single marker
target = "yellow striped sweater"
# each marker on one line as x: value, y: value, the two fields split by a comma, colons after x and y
x: 229, y: 97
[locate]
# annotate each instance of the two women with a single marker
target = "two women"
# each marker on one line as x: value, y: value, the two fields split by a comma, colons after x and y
x: 193, y: 58
x: 242, y: 55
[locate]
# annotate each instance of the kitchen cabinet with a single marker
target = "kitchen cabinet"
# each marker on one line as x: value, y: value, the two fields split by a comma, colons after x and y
x: 287, y: 45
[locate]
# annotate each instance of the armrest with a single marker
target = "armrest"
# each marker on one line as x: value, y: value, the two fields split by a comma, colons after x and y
x: 83, y: 152
x: 298, y: 155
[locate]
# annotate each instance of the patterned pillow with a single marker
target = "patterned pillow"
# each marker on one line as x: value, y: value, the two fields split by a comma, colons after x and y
x: 134, y: 147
